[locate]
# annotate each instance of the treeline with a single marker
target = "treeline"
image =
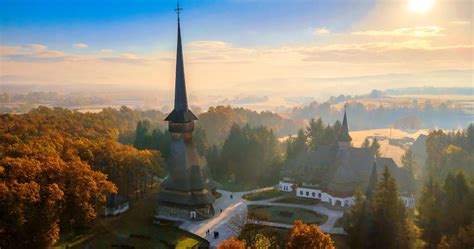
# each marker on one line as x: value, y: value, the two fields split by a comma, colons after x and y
x: 423, y: 115
x: 249, y: 156
x: 217, y: 122
x: 56, y: 168
x: 313, y: 136
x: 444, y: 216
x: 450, y: 152
x: 446, y: 213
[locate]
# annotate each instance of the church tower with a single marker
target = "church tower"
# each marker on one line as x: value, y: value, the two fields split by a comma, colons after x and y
x: 344, y: 139
x: 186, y: 191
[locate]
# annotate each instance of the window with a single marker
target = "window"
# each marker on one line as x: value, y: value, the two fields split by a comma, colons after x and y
x: 301, y: 192
x: 319, y: 195
x: 307, y: 193
x: 314, y: 194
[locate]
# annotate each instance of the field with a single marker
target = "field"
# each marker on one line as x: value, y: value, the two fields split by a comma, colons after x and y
x: 133, y: 228
x: 383, y: 135
x: 284, y: 215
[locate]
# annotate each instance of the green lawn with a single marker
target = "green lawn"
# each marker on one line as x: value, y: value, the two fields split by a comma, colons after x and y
x: 262, y: 195
x: 297, y: 200
x: 134, y: 228
x: 285, y: 215
x: 236, y: 187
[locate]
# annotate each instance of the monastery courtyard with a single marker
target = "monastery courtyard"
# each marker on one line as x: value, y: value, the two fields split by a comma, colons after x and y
x: 237, y: 207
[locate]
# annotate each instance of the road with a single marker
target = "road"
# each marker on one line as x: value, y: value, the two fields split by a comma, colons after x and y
x: 237, y: 206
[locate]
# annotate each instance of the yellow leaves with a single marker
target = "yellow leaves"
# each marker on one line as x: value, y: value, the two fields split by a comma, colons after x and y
x: 231, y: 243
x: 453, y: 149
x: 304, y: 236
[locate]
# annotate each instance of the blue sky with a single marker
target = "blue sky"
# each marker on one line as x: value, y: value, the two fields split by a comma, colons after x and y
x: 234, y: 47
x: 146, y: 25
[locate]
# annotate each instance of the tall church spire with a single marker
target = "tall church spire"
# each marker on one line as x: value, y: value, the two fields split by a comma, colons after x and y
x: 344, y: 134
x: 181, y: 113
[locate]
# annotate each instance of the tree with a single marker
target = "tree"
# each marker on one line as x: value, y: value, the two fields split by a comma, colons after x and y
x: 231, y: 243
x: 304, y: 236
x: 315, y: 131
x: 296, y: 145
x: 429, y: 213
x: 375, y: 147
x: 390, y: 219
x: 358, y: 223
x: 463, y: 239
x: 366, y: 143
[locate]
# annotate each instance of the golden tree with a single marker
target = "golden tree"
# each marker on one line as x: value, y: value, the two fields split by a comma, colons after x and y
x: 231, y: 243
x: 304, y: 236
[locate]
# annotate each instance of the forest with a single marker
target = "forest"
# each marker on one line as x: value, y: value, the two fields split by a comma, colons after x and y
x: 58, y: 165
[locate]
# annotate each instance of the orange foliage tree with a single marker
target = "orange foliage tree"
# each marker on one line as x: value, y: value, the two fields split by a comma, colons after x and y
x: 231, y: 243
x: 304, y: 236
x: 56, y: 167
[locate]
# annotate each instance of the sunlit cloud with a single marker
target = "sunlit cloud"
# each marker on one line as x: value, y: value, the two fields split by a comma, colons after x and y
x: 421, y: 31
x: 461, y: 23
x: 208, y: 44
x: 322, y: 31
x: 36, y: 47
x: 80, y: 45
x: 106, y: 50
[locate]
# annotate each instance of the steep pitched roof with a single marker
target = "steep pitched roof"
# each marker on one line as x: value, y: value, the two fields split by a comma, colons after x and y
x: 180, y: 113
x: 344, y: 170
x: 344, y: 134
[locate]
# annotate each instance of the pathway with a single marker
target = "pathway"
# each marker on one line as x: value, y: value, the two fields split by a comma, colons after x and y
x: 235, y: 206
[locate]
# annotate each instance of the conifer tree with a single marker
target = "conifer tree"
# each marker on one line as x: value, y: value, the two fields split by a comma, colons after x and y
x: 375, y: 147
x: 390, y: 219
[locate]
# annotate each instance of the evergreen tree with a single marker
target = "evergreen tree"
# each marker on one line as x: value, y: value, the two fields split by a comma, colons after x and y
x: 296, y: 145
x: 366, y: 143
x: 372, y: 182
x: 429, y: 213
x: 315, y: 131
x: 375, y: 147
x: 390, y: 219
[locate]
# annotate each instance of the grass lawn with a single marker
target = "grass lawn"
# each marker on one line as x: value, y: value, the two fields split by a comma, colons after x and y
x: 285, y: 215
x: 236, y: 187
x: 298, y: 200
x: 134, y: 228
x: 262, y: 195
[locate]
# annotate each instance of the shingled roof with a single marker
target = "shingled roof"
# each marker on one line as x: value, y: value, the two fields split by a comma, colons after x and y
x: 344, y: 170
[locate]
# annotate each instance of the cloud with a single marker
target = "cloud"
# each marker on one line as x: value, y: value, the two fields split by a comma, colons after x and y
x: 36, y: 47
x: 322, y: 31
x: 461, y: 23
x: 421, y: 31
x: 209, y: 44
x: 106, y: 50
x: 80, y: 45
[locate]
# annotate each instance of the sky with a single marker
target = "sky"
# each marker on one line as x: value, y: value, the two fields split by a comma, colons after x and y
x: 239, y: 47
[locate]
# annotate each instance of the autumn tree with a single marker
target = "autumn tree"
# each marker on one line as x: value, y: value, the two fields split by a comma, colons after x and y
x: 231, y: 243
x: 304, y: 236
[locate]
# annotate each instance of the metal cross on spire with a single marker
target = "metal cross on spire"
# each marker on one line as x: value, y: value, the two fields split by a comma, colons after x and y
x: 178, y: 9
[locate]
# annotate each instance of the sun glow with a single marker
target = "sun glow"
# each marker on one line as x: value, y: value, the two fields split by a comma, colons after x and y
x: 421, y: 5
